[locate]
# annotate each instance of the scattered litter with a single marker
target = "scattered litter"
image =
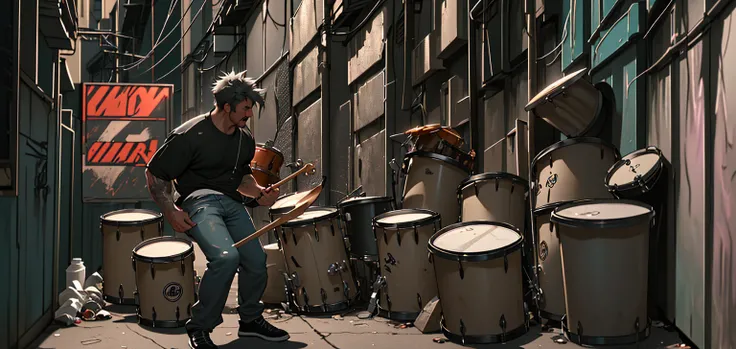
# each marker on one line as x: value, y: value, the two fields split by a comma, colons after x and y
x: 91, y: 341
x: 338, y: 317
x: 57, y: 334
x: 659, y: 324
x: 438, y: 340
x: 123, y: 346
x: 402, y: 327
x: 364, y: 315
x: 559, y: 339
x: 409, y: 324
x: 360, y: 324
x: 123, y: 332
x: 229, y: 334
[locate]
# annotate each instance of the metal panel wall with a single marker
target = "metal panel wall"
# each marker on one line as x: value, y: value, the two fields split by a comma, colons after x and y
x: 618, y: 36
x: 254, y: 57
x: 276, y: 37
x: 494, y: 129
x: 368, y: 101
x: 307, y: 19
x: 307, y: 76
x: 370, y: 165
x: 365, y: 49
x: 309, y: 146
x: 577, y: 33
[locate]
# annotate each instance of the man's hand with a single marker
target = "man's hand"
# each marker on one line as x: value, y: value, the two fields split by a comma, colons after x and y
x: 268, y: 196
x: 179, y: 220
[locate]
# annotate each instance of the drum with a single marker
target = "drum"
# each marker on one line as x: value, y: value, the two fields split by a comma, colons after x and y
x: 121, y: 231
x: 275, y: 293
x: 284, y: 204
x: 164, y: 275
x: 357, y: 214
x: 479, y: 279
x: 320, y: 277
x: 431, y: 183
x: 604, y: 246
x: 551, y: 302
x: 402, y: 238
x: 434, y: 137
x: 572, y: 105
x: 266, y: 164
x: 494, y: 197
x: 572, y: 169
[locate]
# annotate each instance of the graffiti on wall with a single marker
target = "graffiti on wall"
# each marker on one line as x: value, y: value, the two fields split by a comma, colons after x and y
x: 123, y: 125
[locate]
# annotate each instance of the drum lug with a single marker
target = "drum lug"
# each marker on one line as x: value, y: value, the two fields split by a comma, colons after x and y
x: 295, y: 280
x: 462, y: 330
x: 512, y: 187
x: 305, y: 296
x: 295, y: 263
x: 323, y: 296
x: 316, y: 233
x: 419, y: 301
x: 189, y: 310
x: 502, y: 324
x: 132, y: 260
x: 497, y: 183
x: 505, y: 263
x: 580, y: 329
x: 177, y: 313
x: 385, y: 237
x: 388, y: 302
x: 283, y: 237
x: 153, y: 312
x: 143, y: 235
x: 344, y: 266
x: 161, y: 226
x: 153, y: 271
x: 636, y: 327
x: 121, y: 292
x: 183, y: 267
x: 346, y: 290
x: 398, y: 237
x: 117, y: 234
x: 332, y: 229
x: 475, y: 187
x: 430, y: 258
x: 603, y: 153
x: 416, y: 236
x: 460, y: 269
x: 136, y: 297
x: 293, y: 237
x: 332, y: 270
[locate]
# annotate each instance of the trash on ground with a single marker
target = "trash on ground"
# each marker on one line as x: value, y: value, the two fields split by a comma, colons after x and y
x: 91, y: 341
x: 438, y: 340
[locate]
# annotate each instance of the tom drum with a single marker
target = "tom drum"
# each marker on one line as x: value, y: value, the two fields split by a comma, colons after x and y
x: 494, y: 197
x: 266, y: 164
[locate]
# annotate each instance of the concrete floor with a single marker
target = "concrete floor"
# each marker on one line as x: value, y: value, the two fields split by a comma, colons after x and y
x: 123, y: 331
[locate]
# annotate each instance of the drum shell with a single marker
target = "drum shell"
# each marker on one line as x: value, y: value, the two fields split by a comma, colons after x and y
x: 264, y: 178
x: 275, y: 267
x: 266, y: 164
x: 117, y: 249
x: 574, y: 112
x: 166, y: 288
x: 409, y: 275
x: 431, y: 183
x: 468, y: 299
x: 499, y: 199
x: 358, y: 220
x: 552, y: 302
x: 572, y: 169
x: 309, y: 250
x: 596, y: 303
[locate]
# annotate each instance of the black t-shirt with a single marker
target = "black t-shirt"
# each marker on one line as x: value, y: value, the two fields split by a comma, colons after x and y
x: 197, y: 155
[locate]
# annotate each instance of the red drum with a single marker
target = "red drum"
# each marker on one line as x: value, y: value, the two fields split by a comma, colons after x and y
x: 266, y: 164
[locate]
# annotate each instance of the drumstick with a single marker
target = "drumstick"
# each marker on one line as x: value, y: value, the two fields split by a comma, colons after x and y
x: 305, y: 168
x: 261, y: 231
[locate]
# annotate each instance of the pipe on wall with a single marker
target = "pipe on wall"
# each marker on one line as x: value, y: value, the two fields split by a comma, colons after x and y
x: 407, y: 94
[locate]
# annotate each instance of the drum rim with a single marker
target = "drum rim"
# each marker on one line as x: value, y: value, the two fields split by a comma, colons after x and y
x: 362, y: 200
x: 486, y: 176
x: 433, y: 218
x: 574, y: 77
x: 602, y: 223
x: 572, y: 141
x: 271, y: 148
x: 162, y: 260
x: 158, y: 216
x: 549, y: 207
x: 435, y: 156
x: 475, y: 256
x: 307, y: 222
x: 267, y: 172
x: 646, y: 177
x: 285, y: 209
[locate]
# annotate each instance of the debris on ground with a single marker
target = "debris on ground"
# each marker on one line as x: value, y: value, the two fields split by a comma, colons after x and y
x: 438, y: 340
x: 559, y: 339
x: 91, y: 341
x: 337, y: 317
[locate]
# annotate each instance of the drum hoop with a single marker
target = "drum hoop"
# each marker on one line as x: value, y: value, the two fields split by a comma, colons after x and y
x: 163, y: 260
x: 374, y: 200
x: 475, y: 256
x: 602, y: 223
x: 572, y: 141
x: 157, y: 217
x: 548, y: 208
x: 270, y: 173
x: 648, y: 176
x: 271, y: 148
x: 419, y: 223
x: 282, y: 210
x: 537, y: 100
x: 435, y: 156
x: 486, y: 176
x: 311, y: 221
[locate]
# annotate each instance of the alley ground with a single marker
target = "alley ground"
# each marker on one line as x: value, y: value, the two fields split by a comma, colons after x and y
x: 123, y: 331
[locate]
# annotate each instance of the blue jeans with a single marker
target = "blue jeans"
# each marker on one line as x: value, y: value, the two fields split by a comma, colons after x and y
x: 220, y: 222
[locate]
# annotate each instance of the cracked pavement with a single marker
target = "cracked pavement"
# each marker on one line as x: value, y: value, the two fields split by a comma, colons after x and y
x: 123, y: 332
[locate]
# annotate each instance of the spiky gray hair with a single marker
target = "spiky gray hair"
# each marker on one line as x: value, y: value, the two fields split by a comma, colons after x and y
x: 233, y: 88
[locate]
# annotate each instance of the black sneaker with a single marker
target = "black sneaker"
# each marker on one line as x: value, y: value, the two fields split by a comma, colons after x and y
x: 199, y: 339
x: 262, y: 329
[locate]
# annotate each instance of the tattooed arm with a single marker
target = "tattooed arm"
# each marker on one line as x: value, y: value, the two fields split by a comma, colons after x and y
x: 162, y: 193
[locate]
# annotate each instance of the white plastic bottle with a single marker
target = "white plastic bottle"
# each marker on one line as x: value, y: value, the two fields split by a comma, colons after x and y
x: 75, y: 271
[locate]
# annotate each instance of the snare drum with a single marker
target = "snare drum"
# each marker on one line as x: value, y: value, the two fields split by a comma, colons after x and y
x: 283, y: 205
x: 479, y: 279
x: 551, y: 302
x: 572, y: 169
x: 572, y: 105
x: 494, y: 197
x: 275, y: 267
x: 266, y: 164
x: 357, y: 213
x: 431, y: 183
x: 604, y: 246
x: 121, y: 231
x: 164, y: 275
x: 636, y: 174
x: 320, y: 277
x: 402, y: 238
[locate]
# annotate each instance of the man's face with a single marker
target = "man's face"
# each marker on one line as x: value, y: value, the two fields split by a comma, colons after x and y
x: 242, y: 111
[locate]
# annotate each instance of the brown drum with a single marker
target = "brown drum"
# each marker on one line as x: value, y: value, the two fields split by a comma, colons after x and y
x: 494, y: 197
x: 573, y: 105
x: 479, y: 279
x: 434, y: 137
x: 431, y: 183
x: 320, y: 277
x: 572, y: 169
x: 266, y: 164
x: 604, y: 246
x: 551, y: 302
x: 164, y: 275
x: 402, y: 238
x: 121, y: 231
x: 275, y: 293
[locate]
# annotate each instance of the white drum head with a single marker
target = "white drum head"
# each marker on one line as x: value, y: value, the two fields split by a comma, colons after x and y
x: 313, y: 214
x: 359, y: 198
x: 271, y: 247
x: 563, y: 82
x: 640, y: 165
x: 162, y: 249
x: 476, y: 238
x: 289, y: 201
x: 596, y: 211
x: 130, y: 217
x: 404, y: 218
